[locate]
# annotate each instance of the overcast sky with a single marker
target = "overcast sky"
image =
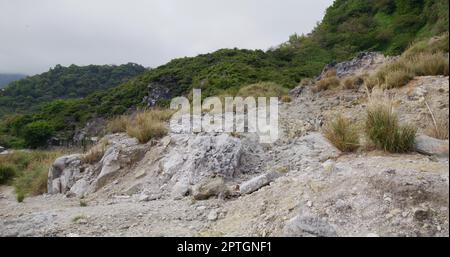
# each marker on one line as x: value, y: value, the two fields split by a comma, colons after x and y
x: 38, y: 34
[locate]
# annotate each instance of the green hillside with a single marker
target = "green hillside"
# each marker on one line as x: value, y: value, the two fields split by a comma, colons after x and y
x: 63, y: 83
x: 349, y: 27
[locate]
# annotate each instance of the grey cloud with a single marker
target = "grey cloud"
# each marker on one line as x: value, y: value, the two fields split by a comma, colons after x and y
x: 35, y: 35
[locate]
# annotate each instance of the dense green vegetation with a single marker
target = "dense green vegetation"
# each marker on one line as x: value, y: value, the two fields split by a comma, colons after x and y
x: 349, y: 26
x: 63, y: 83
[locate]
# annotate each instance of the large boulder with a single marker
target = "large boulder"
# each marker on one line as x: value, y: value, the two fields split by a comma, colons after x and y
x: 431, y: 146
x: 64, y: 173
x: 209, y: 188
x: 192, y: 158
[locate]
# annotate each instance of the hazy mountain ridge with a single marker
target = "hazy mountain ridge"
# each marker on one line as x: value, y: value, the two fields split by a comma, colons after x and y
x: 64, y: 83
x: 6, y: 78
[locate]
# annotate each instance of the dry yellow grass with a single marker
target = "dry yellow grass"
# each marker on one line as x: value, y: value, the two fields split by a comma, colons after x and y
x: 96, y: 152
x: 425, y: 58
x: 286, y: 99
x: 352, y: 82
x: 118, y: 124
x: 342, y: 134
x: 149, y: 124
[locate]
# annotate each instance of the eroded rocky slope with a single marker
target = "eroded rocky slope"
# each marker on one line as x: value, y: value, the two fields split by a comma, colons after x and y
x: 231, y: 185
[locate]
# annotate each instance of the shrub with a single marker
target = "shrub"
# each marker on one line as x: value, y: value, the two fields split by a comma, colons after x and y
x: 7, y: 172
x: 20, y: 197
x: 383, y: 130
x: 342, y: 134
x: 149, y: 124
x: 37, y: 133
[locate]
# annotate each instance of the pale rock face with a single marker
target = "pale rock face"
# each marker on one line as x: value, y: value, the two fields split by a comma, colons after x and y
x: 64, y: 173
x: 195, y: 157
x: 70, y: 175
x: 80, y: 188
x: 431, y: 146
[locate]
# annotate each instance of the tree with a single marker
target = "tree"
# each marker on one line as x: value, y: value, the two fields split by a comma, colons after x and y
x: 37, y: 133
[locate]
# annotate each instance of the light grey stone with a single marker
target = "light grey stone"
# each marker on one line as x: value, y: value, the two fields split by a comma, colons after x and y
x: 431, y: 146
x: 308, y: 226
x: 256, y: 183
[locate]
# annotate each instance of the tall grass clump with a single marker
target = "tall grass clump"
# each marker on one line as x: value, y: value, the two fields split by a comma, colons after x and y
x: 328, y: 81
x: 342, y: 134
x: 149, y: 124
x: 383, y: 129
x: 438, y: 127
x: 118, y: 124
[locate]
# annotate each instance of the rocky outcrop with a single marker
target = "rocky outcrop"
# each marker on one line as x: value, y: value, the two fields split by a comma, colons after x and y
x: 209, y: 188
x: 365, y: 61
x: 195, y: 157
x: 431, y: 146
x: 72, y: 175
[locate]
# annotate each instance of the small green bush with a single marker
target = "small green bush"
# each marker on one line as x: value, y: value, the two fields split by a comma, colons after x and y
x: 37, y: 133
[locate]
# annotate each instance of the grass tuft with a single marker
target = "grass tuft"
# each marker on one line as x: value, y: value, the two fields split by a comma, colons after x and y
x: 383, y: 129
x: 342, y: 134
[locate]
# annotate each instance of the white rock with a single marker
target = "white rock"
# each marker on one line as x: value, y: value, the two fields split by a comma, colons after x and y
x: 329, y: 166
x: 213, y: 215
x: 180, y: 190
x: 256, y: 183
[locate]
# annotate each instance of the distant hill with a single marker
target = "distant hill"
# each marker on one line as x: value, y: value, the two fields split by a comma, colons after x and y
x: 63, y: 83
x: 6, y: 78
